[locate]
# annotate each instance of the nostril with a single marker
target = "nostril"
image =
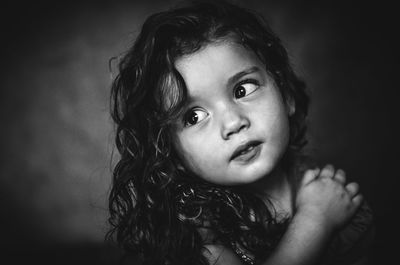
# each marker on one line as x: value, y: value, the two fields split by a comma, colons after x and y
x: 236, y: 128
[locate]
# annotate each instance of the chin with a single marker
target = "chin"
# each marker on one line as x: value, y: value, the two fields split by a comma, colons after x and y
x: 250, y: 177
x: 261, y: 170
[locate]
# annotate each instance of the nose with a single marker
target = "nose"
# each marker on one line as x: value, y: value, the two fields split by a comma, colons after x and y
x: 233, y: 121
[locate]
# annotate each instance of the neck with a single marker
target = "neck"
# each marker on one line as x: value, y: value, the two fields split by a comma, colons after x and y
x: 277, y: 189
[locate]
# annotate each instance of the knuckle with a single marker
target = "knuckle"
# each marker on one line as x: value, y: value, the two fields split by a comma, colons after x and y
x: 340, y: 172
x: 329, y: 167
x: 353, y: 186
x: 309, y: 171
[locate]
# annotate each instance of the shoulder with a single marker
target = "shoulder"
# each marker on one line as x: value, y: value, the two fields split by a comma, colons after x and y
x: 360, y: 230
x: 215, y: 252
x: 354, y: 241
x: 221, y: 255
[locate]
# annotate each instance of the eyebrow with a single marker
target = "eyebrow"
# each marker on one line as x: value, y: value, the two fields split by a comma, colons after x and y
x: 233, y: 79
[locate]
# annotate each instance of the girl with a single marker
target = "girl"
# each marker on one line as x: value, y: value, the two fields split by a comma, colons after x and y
x: 210, y: 127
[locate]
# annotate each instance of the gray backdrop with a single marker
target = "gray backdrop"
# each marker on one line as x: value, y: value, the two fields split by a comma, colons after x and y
x: 57, y: 136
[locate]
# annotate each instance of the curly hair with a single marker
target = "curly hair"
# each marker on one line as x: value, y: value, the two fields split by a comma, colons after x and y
x: 156, y: 206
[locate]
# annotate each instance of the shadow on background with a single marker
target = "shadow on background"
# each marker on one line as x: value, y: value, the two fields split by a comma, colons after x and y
x: 57, y: 135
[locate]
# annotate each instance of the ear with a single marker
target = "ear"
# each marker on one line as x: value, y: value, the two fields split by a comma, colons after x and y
x: 290, y: 106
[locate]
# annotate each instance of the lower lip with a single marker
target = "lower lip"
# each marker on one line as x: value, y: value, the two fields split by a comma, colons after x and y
x: 248, y: 156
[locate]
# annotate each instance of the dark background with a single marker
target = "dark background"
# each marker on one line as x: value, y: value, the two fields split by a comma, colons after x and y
x: 56, y: 134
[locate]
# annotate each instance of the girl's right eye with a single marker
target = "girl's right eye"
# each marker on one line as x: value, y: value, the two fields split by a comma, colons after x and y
x: 194, y: 116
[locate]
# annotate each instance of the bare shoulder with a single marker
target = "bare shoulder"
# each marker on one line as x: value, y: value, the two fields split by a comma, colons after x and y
x: 221, y: 255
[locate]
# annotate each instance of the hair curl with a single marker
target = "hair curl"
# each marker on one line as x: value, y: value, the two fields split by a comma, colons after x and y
x: 156, y: 206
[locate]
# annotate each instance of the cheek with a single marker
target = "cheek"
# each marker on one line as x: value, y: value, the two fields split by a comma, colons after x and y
x: 198, y: 154
x: 281, y: 125
x: 274, y: 122
x: 188, y: 150
x: 285, y: 131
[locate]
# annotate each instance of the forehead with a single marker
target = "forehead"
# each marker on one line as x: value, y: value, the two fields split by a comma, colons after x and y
x: 215, y: 64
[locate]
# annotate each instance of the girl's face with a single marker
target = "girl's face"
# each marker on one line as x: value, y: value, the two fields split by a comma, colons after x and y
x: 235, y: 127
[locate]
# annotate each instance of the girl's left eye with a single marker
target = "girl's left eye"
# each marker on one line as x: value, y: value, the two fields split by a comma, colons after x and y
x: 245, y: 88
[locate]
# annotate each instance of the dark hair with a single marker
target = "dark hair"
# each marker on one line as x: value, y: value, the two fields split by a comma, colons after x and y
x: 156, y: 206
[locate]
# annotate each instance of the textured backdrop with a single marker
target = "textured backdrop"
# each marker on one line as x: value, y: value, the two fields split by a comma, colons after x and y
x: 57, y: 136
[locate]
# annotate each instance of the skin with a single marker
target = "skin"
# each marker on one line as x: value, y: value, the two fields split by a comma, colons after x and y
x: 236, y: 103
x: 226, y: 110
x: 324, y: 203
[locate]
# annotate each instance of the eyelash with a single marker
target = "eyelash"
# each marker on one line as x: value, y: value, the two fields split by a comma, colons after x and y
x: 187, y: 115
x: 245, y: 82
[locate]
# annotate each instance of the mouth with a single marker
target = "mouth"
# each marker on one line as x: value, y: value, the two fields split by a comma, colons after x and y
x: 246, y: 151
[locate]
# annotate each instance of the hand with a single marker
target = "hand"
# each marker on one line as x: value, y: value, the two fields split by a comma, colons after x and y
x: 325, y: 199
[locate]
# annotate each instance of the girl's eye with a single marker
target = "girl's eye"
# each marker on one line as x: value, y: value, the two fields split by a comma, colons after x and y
x: 245, y: 88
x: 194, y: 116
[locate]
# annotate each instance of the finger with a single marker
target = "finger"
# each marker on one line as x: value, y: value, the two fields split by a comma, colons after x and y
x: 352, y: 188
x: 340, y: 176
x: 328, y: 171
x: 310, y: 175
x: 357, y: 200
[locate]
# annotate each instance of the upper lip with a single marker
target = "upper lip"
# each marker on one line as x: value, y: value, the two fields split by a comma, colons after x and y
x: 243, y: 147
